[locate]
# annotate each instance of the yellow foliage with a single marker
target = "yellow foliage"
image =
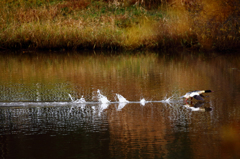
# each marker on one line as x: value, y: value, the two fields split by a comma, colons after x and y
x: 71, y: 24
x: 140, y: 34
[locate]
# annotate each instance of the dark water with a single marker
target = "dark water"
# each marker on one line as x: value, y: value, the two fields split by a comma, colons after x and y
x: 39, y: 120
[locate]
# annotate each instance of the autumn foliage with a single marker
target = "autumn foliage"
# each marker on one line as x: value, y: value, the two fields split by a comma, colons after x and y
x: 120, y: 24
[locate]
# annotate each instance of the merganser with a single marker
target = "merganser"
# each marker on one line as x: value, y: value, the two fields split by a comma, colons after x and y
x: 196, y: 94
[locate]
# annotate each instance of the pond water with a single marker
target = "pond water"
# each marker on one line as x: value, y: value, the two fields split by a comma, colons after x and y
x: 86, y: 105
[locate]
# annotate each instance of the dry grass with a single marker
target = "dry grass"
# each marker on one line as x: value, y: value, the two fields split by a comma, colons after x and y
x: 73, y: 24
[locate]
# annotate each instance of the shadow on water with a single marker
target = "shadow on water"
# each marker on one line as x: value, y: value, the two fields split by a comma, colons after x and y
x: 50, y: 106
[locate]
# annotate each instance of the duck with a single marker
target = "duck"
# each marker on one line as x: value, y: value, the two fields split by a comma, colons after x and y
x: 196, y: 94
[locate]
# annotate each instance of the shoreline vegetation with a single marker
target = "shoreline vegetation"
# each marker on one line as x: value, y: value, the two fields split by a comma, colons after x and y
x: 120, y: 24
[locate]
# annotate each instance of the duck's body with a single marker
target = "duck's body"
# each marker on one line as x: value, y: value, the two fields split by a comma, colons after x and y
x: 196, y: 94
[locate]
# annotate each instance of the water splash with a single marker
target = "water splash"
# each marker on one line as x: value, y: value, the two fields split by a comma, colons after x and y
x: 166, y: 100
x: 81, y: 100
x: 101, y: 98
x: 143, y: 101
x: 121, y: 99
x: 71, y: 97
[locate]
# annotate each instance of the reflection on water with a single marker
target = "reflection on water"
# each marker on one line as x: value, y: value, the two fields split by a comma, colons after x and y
x: 119, y: 106
x: 197, y: 107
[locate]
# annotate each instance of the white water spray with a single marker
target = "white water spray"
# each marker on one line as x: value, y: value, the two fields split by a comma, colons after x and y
x: 81, y: 100
x: 101, y: 98
x: 166, y: 100
x: 71, y: 97
x: 143, y: 101
x: 121, y: 99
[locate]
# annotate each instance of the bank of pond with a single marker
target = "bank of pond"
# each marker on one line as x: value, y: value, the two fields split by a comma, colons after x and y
x: 119, y: 25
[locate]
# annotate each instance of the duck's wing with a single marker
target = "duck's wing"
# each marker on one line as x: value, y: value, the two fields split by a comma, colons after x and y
x: 198, y: 97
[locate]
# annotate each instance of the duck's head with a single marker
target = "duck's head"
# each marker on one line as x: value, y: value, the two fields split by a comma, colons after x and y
x: 208, y: 91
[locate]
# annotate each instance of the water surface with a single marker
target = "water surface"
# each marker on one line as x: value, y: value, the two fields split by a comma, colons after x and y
x: 42, y: 116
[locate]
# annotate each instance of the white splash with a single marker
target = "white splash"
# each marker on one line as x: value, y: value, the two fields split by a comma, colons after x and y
x: 101, y: 98
x: 81, y: 100
x: 71, y: 97
x: 166, y: 100
x: 142, y: 101
x: 121, y: 99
